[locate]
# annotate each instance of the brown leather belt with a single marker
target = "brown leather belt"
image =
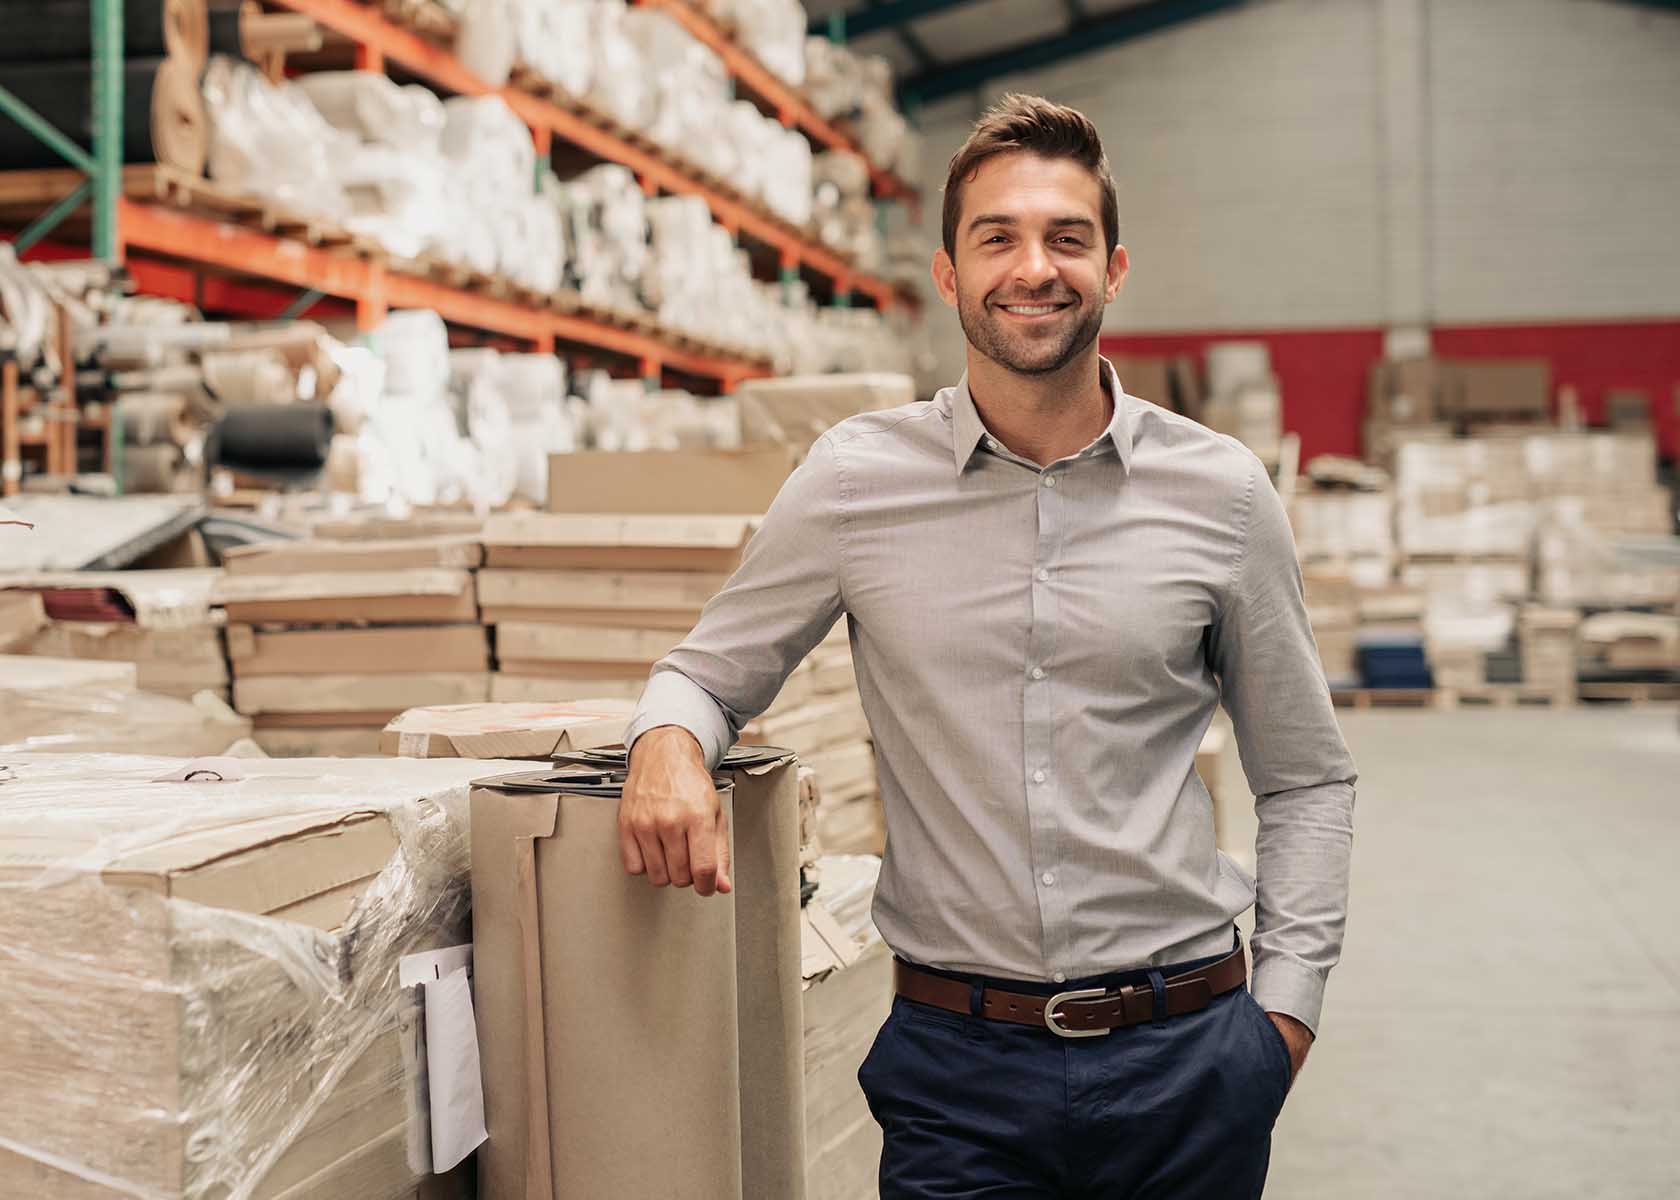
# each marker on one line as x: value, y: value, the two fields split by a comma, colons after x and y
x: 1083, y: 1012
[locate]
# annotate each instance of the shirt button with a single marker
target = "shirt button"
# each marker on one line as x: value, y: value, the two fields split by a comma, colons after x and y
x: 1038, y: 776
x: 1059, y: 977
x: 1043, y: 574
x: 1049, y: 879
x: 1049, y: 481
x: 991, y: 444
x: 1038, y: 672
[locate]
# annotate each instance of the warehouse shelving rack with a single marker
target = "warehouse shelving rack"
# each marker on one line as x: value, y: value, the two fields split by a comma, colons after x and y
x: 133, y: 213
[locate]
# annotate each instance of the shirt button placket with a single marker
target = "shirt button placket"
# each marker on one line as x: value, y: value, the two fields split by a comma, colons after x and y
x: 1040, y: 734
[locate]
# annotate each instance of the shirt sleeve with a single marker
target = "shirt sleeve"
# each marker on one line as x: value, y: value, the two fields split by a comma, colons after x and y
x: 1297, y: 764
x: 779, y: 603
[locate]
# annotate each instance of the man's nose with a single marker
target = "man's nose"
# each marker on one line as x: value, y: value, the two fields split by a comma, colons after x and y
x: 1033, y: 267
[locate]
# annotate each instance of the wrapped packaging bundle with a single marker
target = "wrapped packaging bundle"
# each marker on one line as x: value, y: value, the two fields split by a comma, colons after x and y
x: 605, y: 220
x: 621, y: 85
x: 77, y: 706
x: 554, y: 41
x: 203, y: 985
x: 268, y: 140
x: 375, y: 110
x: 487, y: 38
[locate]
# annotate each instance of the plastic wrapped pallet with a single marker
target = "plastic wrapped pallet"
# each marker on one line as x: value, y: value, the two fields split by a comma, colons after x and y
x: 70, y: 705
x: 795, y: 410
x: 620, y: 86
x: 202, y: 991
x: 267, y: 139
x: 376, y: 110
x: 553, y: 41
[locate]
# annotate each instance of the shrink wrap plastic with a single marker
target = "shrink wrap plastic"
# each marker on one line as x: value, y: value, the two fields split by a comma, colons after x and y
x: 195, y: 1008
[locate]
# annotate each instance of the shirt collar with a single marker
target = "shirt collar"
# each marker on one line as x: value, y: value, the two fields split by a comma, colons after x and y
x: 967, y: 429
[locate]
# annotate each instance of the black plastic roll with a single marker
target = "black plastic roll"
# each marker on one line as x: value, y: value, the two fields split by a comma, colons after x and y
x: 163, y: 112
x: 62, y: 30
x: 285, y: 436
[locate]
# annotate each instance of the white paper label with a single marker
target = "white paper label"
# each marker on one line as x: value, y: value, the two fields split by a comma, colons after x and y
x: 411, y: 745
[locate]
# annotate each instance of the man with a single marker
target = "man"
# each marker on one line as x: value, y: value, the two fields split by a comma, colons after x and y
x: 1049, y: 586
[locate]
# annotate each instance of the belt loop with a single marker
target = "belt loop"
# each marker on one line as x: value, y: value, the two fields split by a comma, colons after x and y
x: 1158, y: 985
x: 977, y: 998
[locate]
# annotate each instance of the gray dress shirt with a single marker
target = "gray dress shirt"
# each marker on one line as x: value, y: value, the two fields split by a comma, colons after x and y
x: 1039, y: 651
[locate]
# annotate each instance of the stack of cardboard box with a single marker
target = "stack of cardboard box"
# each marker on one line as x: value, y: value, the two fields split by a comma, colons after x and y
x: 1243, y: 399
x: 1597, y: 489
x: 202, y: 992
x: 77, y: 705
x: 1333, y: 610
x: 1420, y: 398
x: 161, y: 621
x: 1546, y: 641
x: 330, y: 640
x: 794, y: 410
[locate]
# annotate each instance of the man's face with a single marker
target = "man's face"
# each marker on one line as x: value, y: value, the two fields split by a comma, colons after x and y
x: 1031, y: 275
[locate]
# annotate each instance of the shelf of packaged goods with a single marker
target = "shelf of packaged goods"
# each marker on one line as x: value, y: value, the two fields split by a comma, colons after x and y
x: 379, y: 40
x: 786, y: 101
x: 375, y: 287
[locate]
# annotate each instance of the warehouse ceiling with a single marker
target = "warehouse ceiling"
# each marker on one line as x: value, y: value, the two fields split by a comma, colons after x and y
x: 938, y: 47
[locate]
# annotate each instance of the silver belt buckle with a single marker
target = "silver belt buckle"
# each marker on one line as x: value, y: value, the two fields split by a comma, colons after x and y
x: 1058, y: 1029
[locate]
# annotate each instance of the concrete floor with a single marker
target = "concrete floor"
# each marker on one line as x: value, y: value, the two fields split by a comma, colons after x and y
x: 1505, y: 1021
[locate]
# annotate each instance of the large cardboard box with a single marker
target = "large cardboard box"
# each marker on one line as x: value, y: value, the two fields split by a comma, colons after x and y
x: 667, y: 481
x: 761, y: 920
x: 173, y: 662
x: 710, y: 544
x: 201, y: 997
x: 541, y: 641
x: 646, y: 599
x: 795, y: 410
x: 21, y: 618
x: 606, y: 1008
x: 508, y: 688
x: 409, y: 595
x: 506, y: 730
x: 381, y: 650
x: 457, y: 552
x: 324, y: 741
x: 386, y: 694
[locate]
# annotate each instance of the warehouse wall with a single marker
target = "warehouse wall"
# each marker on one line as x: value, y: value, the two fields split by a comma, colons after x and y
x: 1340, y: 166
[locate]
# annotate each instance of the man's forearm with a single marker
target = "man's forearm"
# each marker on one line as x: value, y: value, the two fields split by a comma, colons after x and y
x: 1302, y: 854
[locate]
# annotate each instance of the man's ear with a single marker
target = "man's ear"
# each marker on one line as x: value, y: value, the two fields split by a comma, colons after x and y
x: 945, y: 277
x: 1118, y: 264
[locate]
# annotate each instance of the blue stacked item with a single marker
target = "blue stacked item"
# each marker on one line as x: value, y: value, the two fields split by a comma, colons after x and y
x: 1390, y: 659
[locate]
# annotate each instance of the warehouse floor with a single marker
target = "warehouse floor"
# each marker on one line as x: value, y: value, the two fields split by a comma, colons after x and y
x: 1506, y: 1017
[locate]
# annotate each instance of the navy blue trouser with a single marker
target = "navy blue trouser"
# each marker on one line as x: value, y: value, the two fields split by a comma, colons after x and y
x: 1178, y: 1109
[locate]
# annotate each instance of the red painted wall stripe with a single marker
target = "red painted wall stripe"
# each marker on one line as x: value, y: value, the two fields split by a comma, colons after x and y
x: 1323, y: 371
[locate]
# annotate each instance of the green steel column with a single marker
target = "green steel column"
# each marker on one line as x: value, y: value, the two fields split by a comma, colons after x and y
x: 837, y: 26
x: 107, y: 123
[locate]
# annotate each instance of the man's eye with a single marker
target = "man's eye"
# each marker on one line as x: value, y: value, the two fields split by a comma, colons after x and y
x: 996, y: 237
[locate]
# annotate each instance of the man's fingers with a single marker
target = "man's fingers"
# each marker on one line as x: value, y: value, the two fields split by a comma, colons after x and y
x: 653, y: 857
x: 726, y: 866
x: 675, y: 841
x: 703, y: 856
x: 629, y: 851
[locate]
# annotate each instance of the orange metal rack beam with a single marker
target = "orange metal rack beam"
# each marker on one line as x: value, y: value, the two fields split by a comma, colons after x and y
x: 791, y: 106
x: 374, y: 34
x: 237, y: 249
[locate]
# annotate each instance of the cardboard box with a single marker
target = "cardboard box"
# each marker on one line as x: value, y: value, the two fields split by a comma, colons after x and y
x: 819, y: 725
x: 1498, y: 388
x: 80, y: 706
x: 20, y: 673
x: 377, y: 651
x: 21, y: 618
x: 506, y: 730
x: 710, y: 544
x: 560, y: 839
x: 537, y: 641
x: 1147, y: 377
x: 647, y: 599
x: 205, y: 1005
x: 454, y: 552
x: 795, y: 410
x: 173, y: 662
x: 590, y: 1029
x: 667, y: 481
x: 388, y: 694
x: 327, y: 741
x: 391, y: 597
x: 547, y: 689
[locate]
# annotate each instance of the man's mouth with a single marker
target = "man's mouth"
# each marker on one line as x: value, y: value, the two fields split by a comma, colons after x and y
x: 1035, y: 310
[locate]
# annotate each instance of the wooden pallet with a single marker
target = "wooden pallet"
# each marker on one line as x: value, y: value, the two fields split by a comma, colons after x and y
x: 1504, y: 695
x: 1383, y: 698
x: 1630, y: 693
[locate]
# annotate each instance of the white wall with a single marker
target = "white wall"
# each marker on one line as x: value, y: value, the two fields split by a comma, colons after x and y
x: 1333, y: 163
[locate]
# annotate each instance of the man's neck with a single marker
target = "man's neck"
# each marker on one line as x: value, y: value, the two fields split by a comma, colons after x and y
x: 1042, y: 417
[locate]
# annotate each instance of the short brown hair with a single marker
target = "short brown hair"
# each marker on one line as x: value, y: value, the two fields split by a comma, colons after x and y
x: 1036, y: 125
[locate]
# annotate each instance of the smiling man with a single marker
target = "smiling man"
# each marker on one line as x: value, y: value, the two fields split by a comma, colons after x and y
x: 1049, y: 585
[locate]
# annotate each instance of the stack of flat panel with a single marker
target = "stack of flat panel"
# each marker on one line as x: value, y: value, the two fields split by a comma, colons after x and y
x: 330, y: 640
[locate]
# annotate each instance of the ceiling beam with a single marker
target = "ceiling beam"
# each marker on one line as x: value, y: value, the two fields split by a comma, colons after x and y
x: 887, y: 15
x: 1095, y: 33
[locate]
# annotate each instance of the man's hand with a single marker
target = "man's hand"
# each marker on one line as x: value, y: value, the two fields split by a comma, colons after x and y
x: 1297, y: 1037
x: 671, y: 824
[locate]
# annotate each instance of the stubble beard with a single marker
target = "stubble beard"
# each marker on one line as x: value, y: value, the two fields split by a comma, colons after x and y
x: 1024, y: 356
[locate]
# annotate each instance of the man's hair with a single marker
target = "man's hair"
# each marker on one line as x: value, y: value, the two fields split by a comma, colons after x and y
x: 1036, y: 125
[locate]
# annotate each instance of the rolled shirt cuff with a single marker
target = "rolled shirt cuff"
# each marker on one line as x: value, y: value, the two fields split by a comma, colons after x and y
x: 1287, y: 985
x: 672, y: 698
